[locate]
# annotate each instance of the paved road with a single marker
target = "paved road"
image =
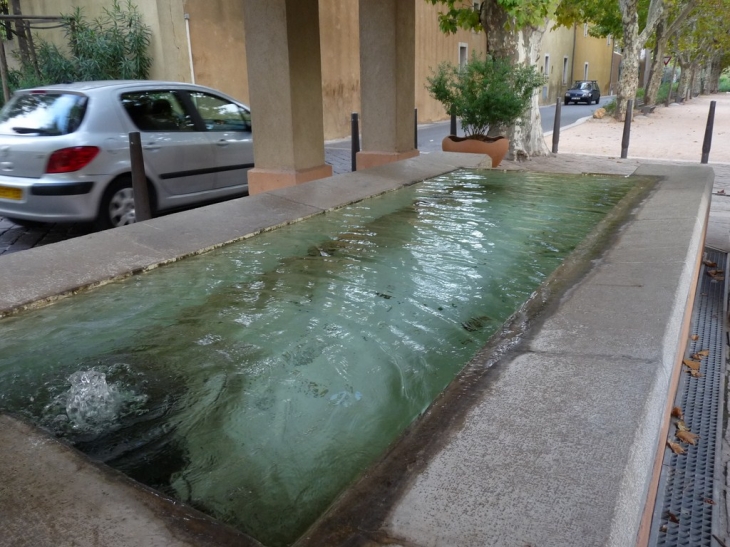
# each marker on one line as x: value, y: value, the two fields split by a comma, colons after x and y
x: 569, y: 113
x: 15, y: 238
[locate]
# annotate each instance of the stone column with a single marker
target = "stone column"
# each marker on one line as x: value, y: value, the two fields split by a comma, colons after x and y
x: 387, y: 80
x: 285, y: 89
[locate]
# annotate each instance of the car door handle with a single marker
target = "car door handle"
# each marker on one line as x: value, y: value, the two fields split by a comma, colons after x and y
x: 151, y: 146
x: 222, y: 142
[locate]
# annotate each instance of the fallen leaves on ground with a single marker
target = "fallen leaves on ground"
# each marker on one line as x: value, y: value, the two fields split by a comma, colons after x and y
x: 710, y: 263
x: 691, y: 363
x: 677, y: 413
x: 695, y: 373
x: 709, y: 501
x: 675, y: 447
x: 703, y: 353
x: 687, y: 437
x: 672, y: 517
x: 695, y: 337
x: 681, y: 426
x: 717, y: 275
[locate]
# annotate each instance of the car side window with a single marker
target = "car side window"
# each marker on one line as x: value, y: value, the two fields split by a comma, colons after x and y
x: 219, y: 114
x: 157, y: 111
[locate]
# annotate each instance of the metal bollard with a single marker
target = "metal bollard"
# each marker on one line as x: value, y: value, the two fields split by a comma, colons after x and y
x: 556, y: 126
x: 627, y: 128
x: 415, y: 129
x: 355, y: 128
x: 707, y: 143
x: 453, y: 125
x: 139, y: 179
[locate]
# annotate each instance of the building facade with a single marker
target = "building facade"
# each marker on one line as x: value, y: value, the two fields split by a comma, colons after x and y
x: 203, y: 41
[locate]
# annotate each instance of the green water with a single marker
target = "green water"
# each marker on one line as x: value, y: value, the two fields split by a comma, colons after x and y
x: 257, y: 381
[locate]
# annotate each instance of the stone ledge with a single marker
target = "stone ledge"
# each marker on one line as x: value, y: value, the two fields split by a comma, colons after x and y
x: 551, y: 440
x: 51, y: 495
x: 555, y: 448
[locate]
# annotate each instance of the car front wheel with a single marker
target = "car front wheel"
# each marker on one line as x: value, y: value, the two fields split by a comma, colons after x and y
x: 117, y: 205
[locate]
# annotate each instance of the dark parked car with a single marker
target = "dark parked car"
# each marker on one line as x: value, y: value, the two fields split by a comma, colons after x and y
x: 583, y: 91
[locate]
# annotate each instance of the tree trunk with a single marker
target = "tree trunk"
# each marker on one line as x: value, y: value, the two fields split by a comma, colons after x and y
x: 633, y: 43
x: 20, y: 33
x: 696, y: 77
x: 684, y: 77
x: 715, y: 72
x: 628, y: 83
x: 629, y: 80
x: 657, y: 65
x: 520, y: 47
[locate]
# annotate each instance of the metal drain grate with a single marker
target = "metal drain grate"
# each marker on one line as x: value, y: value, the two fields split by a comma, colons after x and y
x: 689, y: 500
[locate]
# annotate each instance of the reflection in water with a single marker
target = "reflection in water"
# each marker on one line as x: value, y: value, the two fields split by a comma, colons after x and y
x: 267, y: 375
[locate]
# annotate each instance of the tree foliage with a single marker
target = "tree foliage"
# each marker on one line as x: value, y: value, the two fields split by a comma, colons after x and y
x: 522, y: 13
x: 603, y: 17
x: 485, y: 93
x: 514, y: 31
x: 111, y: 47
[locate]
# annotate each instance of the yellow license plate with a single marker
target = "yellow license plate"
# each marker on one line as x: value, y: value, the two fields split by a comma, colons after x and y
x: 10, y: 193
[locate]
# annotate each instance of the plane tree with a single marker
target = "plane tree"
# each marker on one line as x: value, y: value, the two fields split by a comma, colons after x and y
x: 514, y: 32
x: 674, y: 19
x: 633, y: 22
x: 704, y: 44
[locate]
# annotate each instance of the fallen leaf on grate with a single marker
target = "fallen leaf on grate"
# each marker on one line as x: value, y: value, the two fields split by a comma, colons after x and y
x: 703, y: 353
x: 687, y: 437
x: 675, y: 447
x: 695, y: 373
x: 681, y: 426
x: 672, y: 517
x: 695, y: 337
x: 677, y: 413
x: 716, y: 275
x: 691, y: 363
x: 709, y: 501
x: 710, y: 263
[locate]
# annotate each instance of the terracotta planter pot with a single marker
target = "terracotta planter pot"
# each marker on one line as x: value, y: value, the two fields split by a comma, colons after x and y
x: 494, y: 147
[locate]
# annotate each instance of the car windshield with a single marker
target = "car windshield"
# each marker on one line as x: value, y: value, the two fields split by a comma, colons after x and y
x: 42, y: 113
x: 582, y: 85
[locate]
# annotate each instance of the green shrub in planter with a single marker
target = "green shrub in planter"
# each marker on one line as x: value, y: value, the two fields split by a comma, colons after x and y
x: 485, y: 93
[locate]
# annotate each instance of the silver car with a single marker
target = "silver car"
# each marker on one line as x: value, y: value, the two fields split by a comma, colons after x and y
x: 64, y: 149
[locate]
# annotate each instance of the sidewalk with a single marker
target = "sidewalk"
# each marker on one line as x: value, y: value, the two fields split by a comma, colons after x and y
x: 673, y: 134
x: 543, y: 418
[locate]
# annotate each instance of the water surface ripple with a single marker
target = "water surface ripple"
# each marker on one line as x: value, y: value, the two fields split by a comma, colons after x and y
x: 257, y: 381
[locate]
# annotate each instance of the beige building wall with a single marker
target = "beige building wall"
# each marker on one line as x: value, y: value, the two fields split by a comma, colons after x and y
x: 218, y: 49
x: 339, y: 32
x: 556, y: 62
x: 434, y: 47
x: 165, y: 17
x: 596, y: 55
x: 217, y: 45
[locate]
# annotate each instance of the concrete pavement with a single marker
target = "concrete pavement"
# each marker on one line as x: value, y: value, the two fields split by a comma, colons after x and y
x: 575, y: 461
x: 595, y: 463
